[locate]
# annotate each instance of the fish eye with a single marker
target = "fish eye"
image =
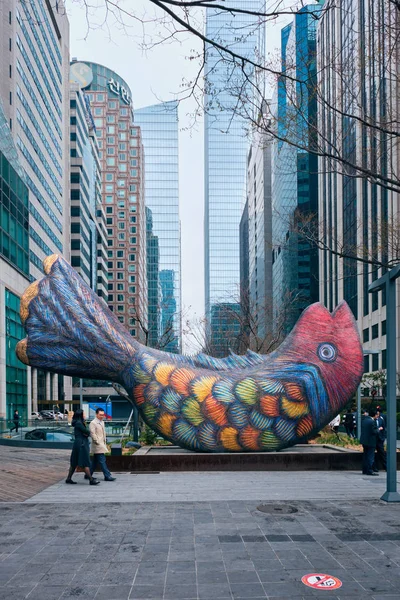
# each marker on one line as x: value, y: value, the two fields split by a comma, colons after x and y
x: 327, y: 352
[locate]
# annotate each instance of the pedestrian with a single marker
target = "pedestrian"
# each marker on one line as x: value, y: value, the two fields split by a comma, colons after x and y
x: 16, y: 421
x: 99, y: 445
x: 80, y: 450
x: 369, y: 434
x: 349, y: 423
x: 334, y: 424
x: 380, y: 455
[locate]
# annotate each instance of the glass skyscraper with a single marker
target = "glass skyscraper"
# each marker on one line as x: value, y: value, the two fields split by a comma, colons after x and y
x: 226, y: 147
x: 159, y: 126
x: 295, y: 171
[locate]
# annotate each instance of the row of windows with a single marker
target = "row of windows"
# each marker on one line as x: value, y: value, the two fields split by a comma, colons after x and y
x: 39, y: 174
x: 38, y: 240
x: 50, y: 30
x: 39, y: 87
x: 43, y: 203
x: 374, y: 331
x: 38, y: 151
x: 35, y: 260
x: 40, y: 46
x: 32, y: 117
x: 40, y: 68
x: 38, y: 22
x: 45, y: 227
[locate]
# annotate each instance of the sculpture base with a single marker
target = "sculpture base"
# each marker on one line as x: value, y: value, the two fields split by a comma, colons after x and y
x: 391, y: 497
x: 303, y: 457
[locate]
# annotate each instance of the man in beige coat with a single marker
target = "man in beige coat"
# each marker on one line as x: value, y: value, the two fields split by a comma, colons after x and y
x: 99, y: 445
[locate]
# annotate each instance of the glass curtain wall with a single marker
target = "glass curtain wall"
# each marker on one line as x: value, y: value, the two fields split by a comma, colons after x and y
x: 227, y: 102
x: 159, y: 126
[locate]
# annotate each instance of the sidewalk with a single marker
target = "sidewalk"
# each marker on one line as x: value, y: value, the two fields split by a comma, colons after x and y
x: 201, y: 536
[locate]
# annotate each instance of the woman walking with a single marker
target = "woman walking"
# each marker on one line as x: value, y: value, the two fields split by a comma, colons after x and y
x: 80, y: 450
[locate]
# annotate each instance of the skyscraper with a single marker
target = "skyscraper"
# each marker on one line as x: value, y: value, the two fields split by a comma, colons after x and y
x: 34, y: 67
x: 295, y: 170
x: 159, y: 126
x: 226, y: 147
x: 121, y: 161
x: 359, y: 193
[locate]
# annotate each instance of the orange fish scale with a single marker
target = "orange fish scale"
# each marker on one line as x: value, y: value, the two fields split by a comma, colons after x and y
x: 304, y: 426
x: 215, y: 411
x: 229, y: 438
x: 181, y: 379
x: 250, y: 438
x: 270, y: 405
x: 202, y: 387
x: 138, y: 393
x: 294, y: 409
x: 165, y: 423
x: 293, y: 390
x: 162, y: 373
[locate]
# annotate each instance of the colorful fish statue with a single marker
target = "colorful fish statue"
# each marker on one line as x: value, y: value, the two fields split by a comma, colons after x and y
x: 235, y: 404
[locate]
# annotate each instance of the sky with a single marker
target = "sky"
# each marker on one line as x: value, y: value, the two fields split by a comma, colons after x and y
x: 156, y: 75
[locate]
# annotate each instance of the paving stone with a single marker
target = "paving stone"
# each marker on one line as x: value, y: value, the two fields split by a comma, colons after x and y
x: 84, y: 592
x: 247, y: 590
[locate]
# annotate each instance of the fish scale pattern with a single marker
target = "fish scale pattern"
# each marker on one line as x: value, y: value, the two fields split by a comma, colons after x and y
x: 235, y: 404
x: 220, y: 413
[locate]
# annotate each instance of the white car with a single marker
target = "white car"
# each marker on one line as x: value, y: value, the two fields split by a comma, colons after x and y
x: 36, y: 416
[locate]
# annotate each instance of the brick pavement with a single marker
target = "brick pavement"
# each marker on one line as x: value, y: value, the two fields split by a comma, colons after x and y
x: 198, y: 550
x: 25, y: 472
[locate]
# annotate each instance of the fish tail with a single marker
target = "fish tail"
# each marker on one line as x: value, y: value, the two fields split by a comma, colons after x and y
x: 69, y: 328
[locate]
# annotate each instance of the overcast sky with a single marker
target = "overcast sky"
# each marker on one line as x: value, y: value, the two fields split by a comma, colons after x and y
x: 156, y: 76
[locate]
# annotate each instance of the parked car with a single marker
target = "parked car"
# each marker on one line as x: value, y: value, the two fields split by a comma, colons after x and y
x: 59, y: 415
x: 49, y: 435
x: 47, y: 415
x: 36, y: 416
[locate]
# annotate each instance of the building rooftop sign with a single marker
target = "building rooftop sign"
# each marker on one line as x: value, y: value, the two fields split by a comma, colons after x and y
x: 119, y: 90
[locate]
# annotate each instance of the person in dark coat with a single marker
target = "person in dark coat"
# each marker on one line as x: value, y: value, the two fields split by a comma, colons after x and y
x: 349, y: 424
x: 369, y: 435
x: 16, y: 421
x: 380, y: 441
x: 80, y: 450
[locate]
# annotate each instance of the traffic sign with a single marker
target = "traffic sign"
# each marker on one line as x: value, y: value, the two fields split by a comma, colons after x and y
x: 321, y: 581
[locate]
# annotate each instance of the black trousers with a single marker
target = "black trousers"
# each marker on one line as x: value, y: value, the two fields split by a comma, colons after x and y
x: 380, y: 454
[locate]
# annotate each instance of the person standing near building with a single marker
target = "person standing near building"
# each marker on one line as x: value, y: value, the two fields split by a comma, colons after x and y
x: 99, y: 445
x: 16, y: 421
x: 80, y: 450
x: 380, y: 441
x: 349, y: 423
x: 368, y: 438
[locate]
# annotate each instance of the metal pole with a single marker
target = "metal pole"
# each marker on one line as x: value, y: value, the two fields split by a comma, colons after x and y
x: 135, y: 424
x: 359, y: 411
x: 391, y: 494
x: 80, y: 393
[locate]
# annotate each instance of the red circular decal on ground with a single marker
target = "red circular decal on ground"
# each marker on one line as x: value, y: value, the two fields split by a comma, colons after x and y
x: 321, y: 581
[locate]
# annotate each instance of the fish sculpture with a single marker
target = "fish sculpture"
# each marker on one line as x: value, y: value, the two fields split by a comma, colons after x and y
x: 235, y: 404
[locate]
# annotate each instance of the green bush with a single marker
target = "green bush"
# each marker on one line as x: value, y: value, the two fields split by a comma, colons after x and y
x: 148, y: 436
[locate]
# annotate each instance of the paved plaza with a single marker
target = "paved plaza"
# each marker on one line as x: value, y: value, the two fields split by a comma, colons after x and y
x: 201, y: 536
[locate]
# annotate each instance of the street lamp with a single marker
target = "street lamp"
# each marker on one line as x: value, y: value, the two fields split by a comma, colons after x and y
x: 388, y: 282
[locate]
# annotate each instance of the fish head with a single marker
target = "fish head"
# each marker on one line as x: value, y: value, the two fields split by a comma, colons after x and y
x: 331, y: 343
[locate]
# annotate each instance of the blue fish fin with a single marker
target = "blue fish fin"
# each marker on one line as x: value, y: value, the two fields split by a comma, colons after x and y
x: 70, y: 330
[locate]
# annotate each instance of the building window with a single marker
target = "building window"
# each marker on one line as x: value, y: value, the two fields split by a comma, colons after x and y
x: 110, y: 128
x: 109, y: 231
x: 122, y: 147
x: 133, y: 162
x: 132, y: 209
x: 132, y: 187
x: 109, y: 209
x: 122, y: 156
x: 109, y: 188
x: 132, y: 269
x: 132, y: 240
x: 110, y: 162
x: 110, y: 150
x: 120, y: 287
x: 109, y: 200
x: 383, y: 329
x: 120, y: 308
x: 120, y: 254
x: 120, y: 265
x: 133, y: 152
x: 110, y: 139
x: 122, y: 137
x: 134, y: 132
x: 98, y: 122
x: 120, y: 275
x: 120, y: 297
x: 121, y: 193
x: 124, y: 112
x: 110, y: 297
x: 121, y: 236
x: 133, y: 172
x: 109, y: 176
x: 384, y: 366
x: 121, y: 214
x: 132, y: 257
x: 110, y: 253
x: 109, y: 221
x: 112, y: 104
x: 98, y: 112
x: 133, y: 219
x: 121, y: 204
x: 366, y: 335
x: 100, y: 97
x: 122, y: 167
x: 133, y: 230
x: 110, y: 118
x: 375, y: 332
x: 122, y: 125
x: 121, y: 182
x: 375, y: 362
x: 133, y: 142
x: 110, y: 286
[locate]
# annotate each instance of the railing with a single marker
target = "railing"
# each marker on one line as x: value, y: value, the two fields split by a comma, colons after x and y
x: 54, y: 430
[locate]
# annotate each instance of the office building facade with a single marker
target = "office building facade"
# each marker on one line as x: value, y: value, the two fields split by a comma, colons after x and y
x: 226, y: 148
x: 88, y: 217
x: 121, y: 163
x: 34, y: 67
x: 295, y: 278
x: 259, y: 177
x: 358, y: 202
x: 159, y: 125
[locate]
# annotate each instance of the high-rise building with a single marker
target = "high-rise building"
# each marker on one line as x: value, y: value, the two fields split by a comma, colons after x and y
x: 88, y: 217
x: 159, y: 126
x: 34, y: 67
x: 295, y: 171
x: 259, y: 305
x: 121, y: 162
x: 359, y: 202
x: 226, y: 147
